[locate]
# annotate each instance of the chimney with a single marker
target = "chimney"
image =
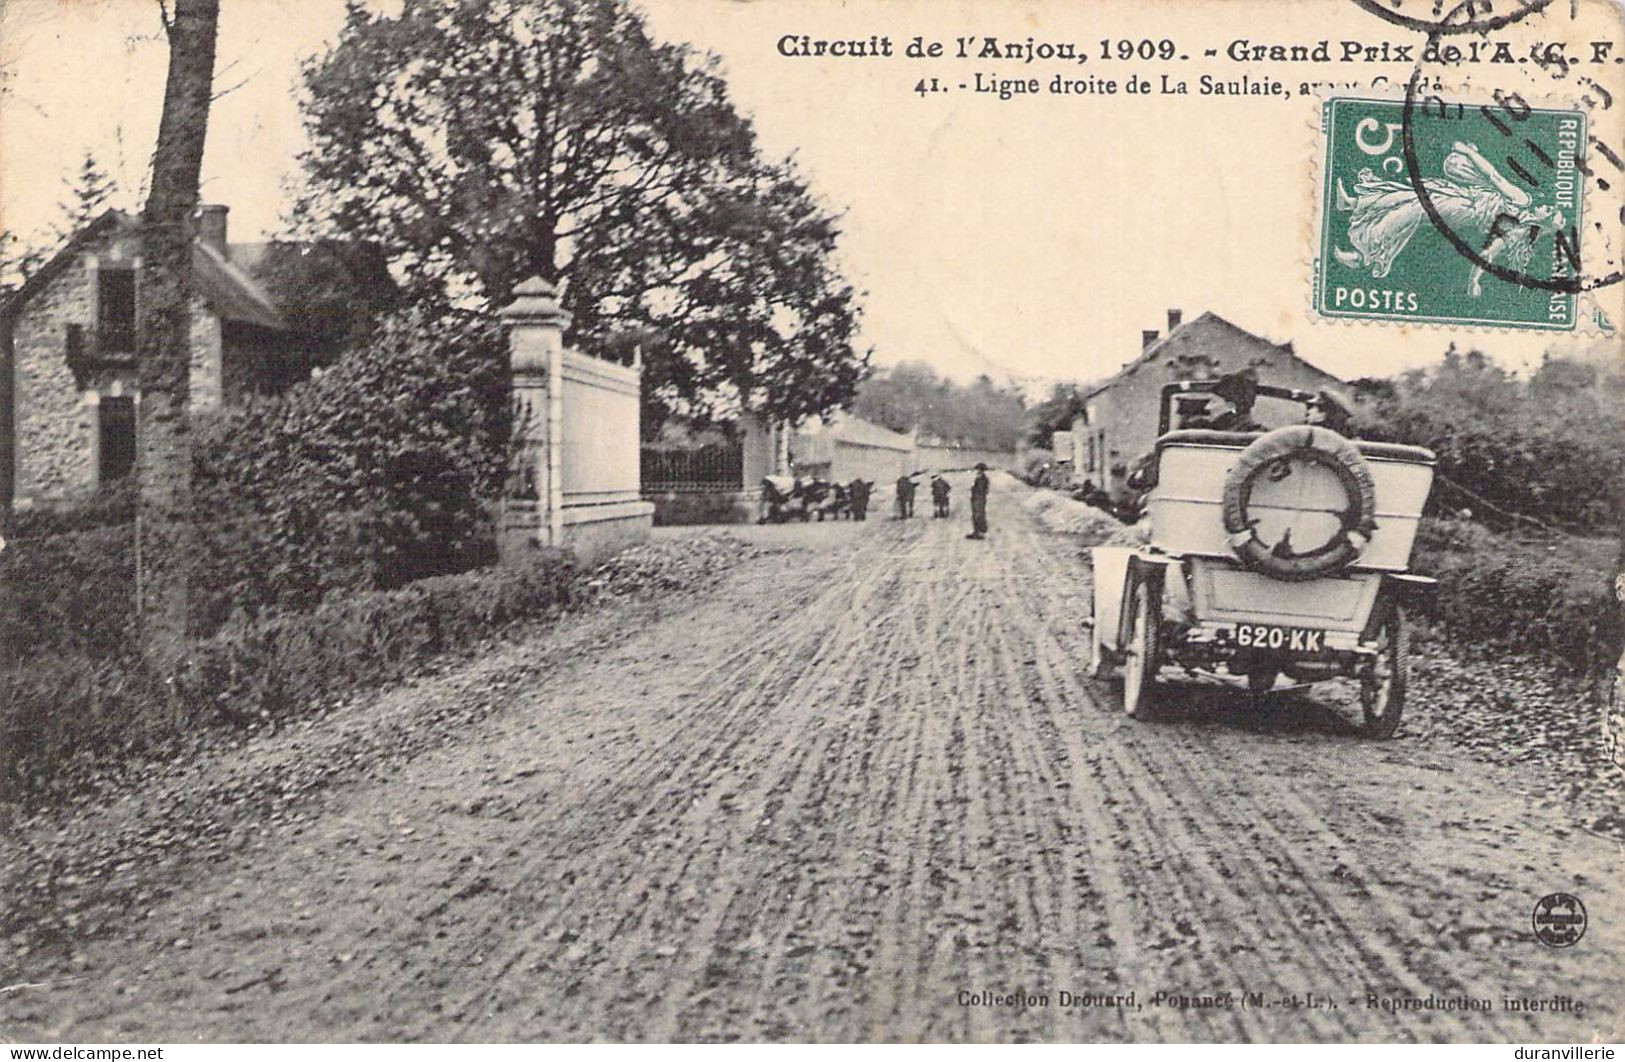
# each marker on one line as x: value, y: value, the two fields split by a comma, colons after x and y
x: 211, y: 225
x: 1148, y: 336
x: 1174, y: 317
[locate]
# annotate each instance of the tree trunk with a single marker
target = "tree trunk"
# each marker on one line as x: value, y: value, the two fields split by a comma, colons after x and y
x: 164, y: 535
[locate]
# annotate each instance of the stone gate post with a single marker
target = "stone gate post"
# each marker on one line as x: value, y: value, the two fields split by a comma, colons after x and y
x: 533, y: 502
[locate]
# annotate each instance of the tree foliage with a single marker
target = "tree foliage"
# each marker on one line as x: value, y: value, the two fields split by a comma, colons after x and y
x: 330, y: 290
x: 1055, y: 413
x: 1551, y: 446
x: 89, y: 194
x: 90, y: 190
x: 19, y: 259
x: 376, y: 472
x: 479, y: 142
x: 911, y: 396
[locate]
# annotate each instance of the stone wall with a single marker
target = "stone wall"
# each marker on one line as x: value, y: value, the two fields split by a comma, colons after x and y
x: 55, y: 421
x: 574, y: 480
x: 758, y: 452
x: 600, y: 441
x: 943, y: 458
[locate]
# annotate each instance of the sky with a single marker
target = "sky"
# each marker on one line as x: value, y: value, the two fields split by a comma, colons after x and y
x: 1031, y: 238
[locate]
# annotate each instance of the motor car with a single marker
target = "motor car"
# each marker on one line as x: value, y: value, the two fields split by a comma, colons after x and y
x: 1271, y: 554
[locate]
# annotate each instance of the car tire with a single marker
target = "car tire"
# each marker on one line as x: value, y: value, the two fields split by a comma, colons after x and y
x: 1383, y: 684
x: 1141, y: 655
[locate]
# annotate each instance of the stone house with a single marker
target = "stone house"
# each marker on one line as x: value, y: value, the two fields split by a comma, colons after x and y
x: 68, y: 378
x: 1119, y: 421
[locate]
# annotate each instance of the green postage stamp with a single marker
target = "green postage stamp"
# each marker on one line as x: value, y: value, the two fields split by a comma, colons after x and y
x: 1460, y: 213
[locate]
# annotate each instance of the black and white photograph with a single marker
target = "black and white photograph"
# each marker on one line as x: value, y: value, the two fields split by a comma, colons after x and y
x: 812, y: 521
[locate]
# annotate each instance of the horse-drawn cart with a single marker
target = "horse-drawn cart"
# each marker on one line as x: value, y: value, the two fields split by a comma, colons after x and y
x: 1271, y: 553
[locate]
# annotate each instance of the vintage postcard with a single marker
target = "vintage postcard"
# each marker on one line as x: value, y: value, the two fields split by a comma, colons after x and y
x: 812, y: 521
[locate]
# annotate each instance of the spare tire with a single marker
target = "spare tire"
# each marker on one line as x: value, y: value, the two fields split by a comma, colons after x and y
x: 1276, y: 449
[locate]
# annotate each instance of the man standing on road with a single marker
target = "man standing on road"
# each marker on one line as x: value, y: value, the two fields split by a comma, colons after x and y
x: 858, y: 490
x: 978, y: 503
x: 905, y: 497
x: 939, y: 497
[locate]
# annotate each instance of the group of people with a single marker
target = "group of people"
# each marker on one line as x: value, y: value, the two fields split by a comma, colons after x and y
x: 795, y: 497
x: 941, y: 493
x: 1239, y: 391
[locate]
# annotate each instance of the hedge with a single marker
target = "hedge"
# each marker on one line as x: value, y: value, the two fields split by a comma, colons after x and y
x: 1549, y: 597
x: 72, y: 592
x: 54, y: 707
x: 683, y: 510
x: 379, y: 472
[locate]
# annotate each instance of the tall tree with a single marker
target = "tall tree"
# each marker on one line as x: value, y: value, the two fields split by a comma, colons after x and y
x: 912, y: 396
x: 19, y: 258
x: 164, y: 538
x: 479, y: 141
x: 1054, y: 414
x: 88, y: 194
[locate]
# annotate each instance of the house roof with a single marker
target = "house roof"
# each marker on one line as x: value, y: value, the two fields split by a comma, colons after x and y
x: 112, y: 219
x: 232, y: 293
x: 1191, y: 336
x: 849, y: 428
x: 227, y: 288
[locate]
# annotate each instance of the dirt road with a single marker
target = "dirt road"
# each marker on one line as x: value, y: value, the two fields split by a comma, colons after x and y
x: 854, y: 792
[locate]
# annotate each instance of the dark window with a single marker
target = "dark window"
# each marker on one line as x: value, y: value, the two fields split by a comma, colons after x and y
x: 76, y: 342
x: 115, y: 311
x: 117, y: 439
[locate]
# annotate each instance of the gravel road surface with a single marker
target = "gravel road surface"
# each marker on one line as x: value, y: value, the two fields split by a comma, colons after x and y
x: 857, y: 790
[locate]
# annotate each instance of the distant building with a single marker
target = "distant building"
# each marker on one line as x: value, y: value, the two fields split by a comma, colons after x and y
x: 1119, y: 421
x: 846, y: 447
x: 68, y: 376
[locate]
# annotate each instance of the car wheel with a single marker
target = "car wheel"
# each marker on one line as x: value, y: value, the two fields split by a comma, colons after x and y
x: 1140, y: 655
x: 1383, y: 682
x: 1100, y: 663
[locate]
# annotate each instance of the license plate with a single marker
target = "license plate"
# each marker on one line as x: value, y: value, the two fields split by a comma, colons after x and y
x: 1281, y: 639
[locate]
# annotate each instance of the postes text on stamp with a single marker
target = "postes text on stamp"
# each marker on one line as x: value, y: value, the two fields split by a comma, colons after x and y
x: 1462, y: 214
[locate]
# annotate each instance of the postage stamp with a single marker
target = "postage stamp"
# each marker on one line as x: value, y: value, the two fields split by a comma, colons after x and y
x: 1455, y: 213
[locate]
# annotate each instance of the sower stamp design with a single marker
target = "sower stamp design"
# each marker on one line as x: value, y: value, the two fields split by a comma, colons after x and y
x: 1452, y: 213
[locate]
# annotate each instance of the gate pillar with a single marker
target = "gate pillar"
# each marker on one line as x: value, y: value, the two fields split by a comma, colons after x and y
x: 533, y: 501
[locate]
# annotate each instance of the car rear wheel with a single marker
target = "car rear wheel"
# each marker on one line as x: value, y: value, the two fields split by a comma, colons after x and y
x: 1100, y: 664
x: 1140, y: 655
x: 1384, y: 681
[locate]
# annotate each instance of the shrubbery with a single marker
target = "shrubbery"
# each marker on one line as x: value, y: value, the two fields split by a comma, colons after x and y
x: 379, y: 472
x: 1551, y: 447
x: 107, y: 507
x: 1552, y: 598
x: 279, y: 662
x: 66, y: 704
x: 682, y: 510
x: 313, y: 507
x: 72, y: 592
